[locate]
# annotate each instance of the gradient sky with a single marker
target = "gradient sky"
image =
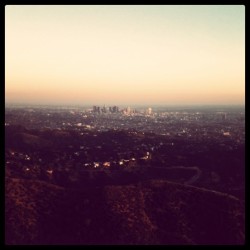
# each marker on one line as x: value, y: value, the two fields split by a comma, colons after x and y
x: 152, y: 54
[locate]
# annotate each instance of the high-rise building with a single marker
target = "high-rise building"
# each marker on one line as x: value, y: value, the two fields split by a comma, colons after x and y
x: 149, y: 111
x: 104, y: 110
x: 115, y: 109
x: 95, y: 109
x: 128, y: 110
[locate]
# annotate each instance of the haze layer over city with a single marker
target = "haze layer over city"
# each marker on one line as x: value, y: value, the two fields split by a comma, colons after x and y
x: 124, y: 125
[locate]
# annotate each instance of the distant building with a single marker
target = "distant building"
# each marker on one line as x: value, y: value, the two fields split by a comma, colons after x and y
x: 104, y: 110
x: 115, y: 109
x: 128, y: 110
x: 149, y: 111
x: 96, y: 109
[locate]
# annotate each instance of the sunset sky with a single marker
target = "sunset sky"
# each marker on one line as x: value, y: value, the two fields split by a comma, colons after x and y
x: 152, y: 54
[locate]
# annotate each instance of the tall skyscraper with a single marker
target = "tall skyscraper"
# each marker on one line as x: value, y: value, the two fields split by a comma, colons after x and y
x: 128, y: 110
x: 149, y: 111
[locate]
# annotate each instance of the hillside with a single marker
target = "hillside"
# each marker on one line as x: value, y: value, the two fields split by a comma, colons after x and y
x: 151, y: 212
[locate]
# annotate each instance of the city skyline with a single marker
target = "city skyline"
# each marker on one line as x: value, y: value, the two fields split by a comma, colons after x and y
x: 152, y: 55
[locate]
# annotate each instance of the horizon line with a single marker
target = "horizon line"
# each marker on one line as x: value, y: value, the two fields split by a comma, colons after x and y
x: 125, y: 104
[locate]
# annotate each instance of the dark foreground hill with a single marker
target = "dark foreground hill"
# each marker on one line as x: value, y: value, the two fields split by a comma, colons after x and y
x: 153, y: 212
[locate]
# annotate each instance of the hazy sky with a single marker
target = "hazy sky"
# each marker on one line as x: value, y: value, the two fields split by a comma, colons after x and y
x: 152, y: 54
